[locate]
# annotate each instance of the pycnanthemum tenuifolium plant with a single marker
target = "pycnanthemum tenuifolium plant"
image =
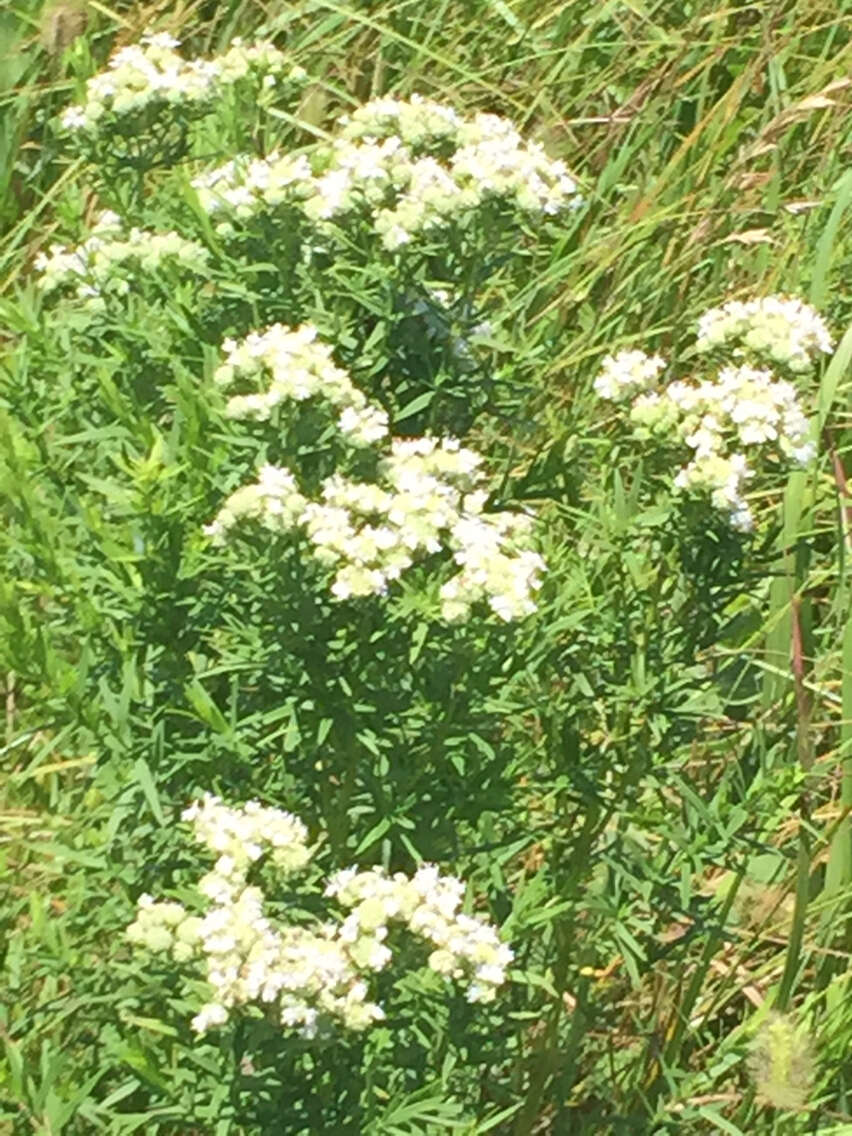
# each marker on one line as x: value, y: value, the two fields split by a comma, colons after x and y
x: 743, y: 411
x: 309, y: 976
x: 592, y: 768
x: 147, y: 108
x: 143, y: 79
x: 396, y: 176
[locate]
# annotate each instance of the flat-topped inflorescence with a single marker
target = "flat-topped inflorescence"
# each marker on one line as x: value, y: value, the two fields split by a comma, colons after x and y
x: 309, y: 976
x: 466, y: 948
x: 418, y: 122
x: 412, y: 167
x: 106, y: 263
x: 742, y: 410
x: 293, y: 366
x: 430, y: 498
x: 246, y: 834
x: 151, y: 75
x: 780, y: 328
x: 720, y: 421
x: 273, y: 501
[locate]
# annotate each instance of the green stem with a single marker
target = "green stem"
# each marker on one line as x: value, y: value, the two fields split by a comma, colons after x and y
x: 794, y: 947
x: 544, y: 1059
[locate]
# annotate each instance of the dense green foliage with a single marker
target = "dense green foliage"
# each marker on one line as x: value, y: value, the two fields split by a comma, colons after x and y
x: 643, y: 783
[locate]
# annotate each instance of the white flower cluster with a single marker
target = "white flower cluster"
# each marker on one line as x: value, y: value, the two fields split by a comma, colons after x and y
x: 241, y: 836
x: 781, y: 328
x: 100, y: 264
x: 371, y: 533
x: 247, y: 186
x: 166, y: 927
x: 429, y: 497
x: 376, y: 164
x: 273, y: 501
x: 296, y: 367
x: 466, y: 948
x: 308, y: 975
x: 419, y: 122
x: 743, y: 408
x: 434, y: 500
x: 151, y: 74
x: 625, y: 374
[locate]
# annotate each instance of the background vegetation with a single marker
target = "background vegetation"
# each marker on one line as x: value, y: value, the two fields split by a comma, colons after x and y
x: 649, y: 779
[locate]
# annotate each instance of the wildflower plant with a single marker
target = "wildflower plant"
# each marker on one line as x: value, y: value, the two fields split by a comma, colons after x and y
x: 273, y: 431
x: 138, y: 112
x: 419, y: 199
x: 402, y: 169
x: 291, y: 366
x: 741, y: 417
x: 407, y: 212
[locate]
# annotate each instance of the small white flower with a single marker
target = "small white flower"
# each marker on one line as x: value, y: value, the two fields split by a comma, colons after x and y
x: 210, y: 1016
x: 309, y: 972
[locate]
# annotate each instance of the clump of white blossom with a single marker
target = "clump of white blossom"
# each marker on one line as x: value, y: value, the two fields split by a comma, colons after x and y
x: 742, y: 411
x: 151, y: 75
x: 245, y: 834
x: 626, y: 373
x: 106, y: 262
x: 411, y: 167
x: 309, y: 976
x: 418, y: 122
x: 429, y: 494
x: 466, y: 949
x: 430, y: 498
x: 273, y: 501
x: 433, y: 498
x: 782, y: 328
x: 292, y: 365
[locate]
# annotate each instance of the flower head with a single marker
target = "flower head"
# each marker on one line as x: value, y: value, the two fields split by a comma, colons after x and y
x: 308, y: 975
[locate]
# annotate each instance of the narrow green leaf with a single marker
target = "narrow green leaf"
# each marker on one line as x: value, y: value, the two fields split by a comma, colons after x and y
x: 146, y: 783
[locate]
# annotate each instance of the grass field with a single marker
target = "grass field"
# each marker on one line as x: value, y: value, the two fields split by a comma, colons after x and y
x: 646, y: 784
